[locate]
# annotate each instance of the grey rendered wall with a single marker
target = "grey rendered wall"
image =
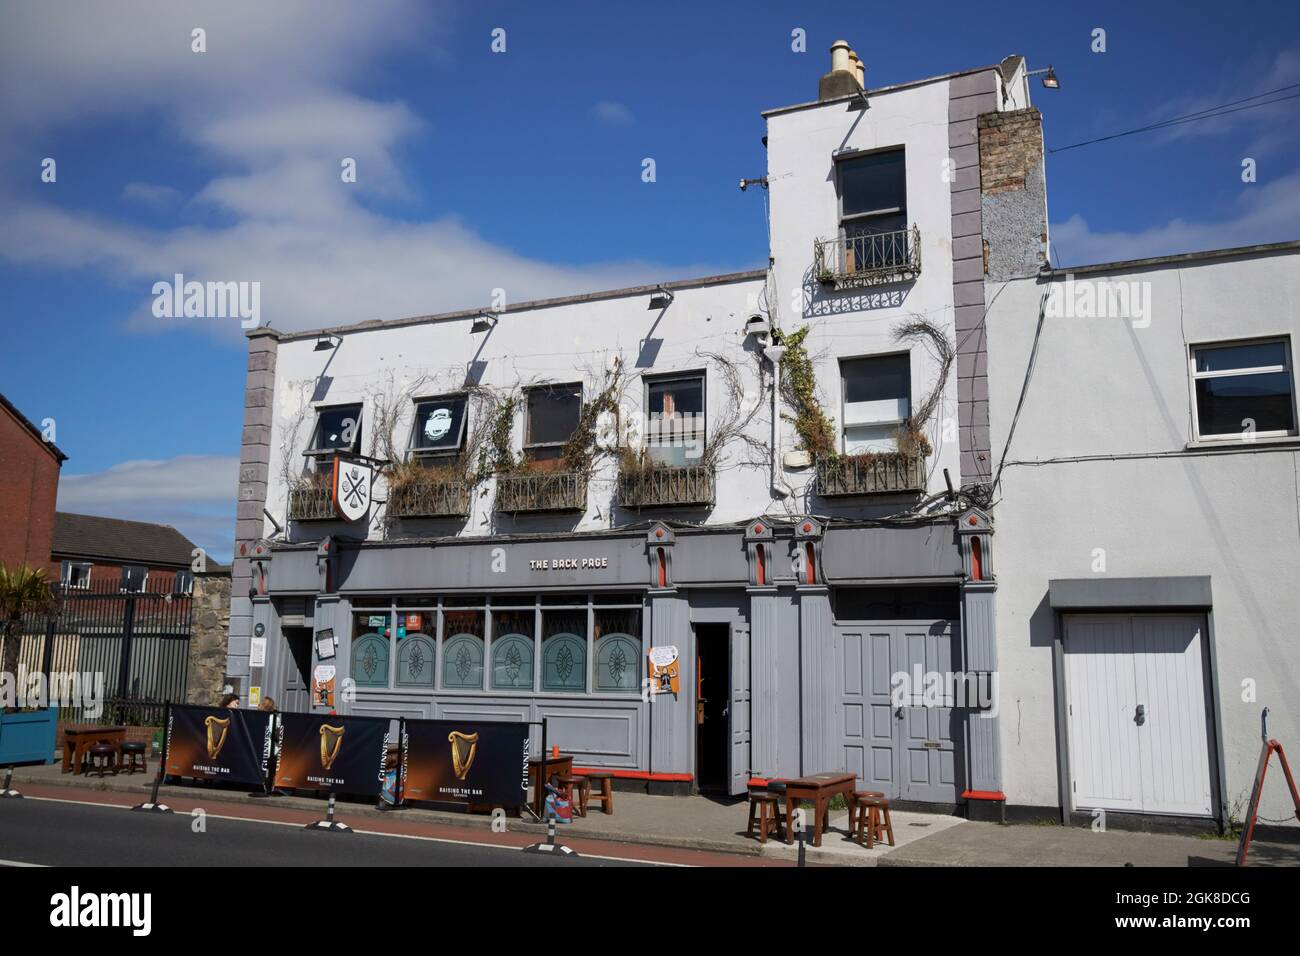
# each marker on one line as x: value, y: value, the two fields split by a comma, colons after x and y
x: 1102, y: 467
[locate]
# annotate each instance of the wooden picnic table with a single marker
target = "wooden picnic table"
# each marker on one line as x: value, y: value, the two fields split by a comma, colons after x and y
x: 561, y: 765
x: 79, y: 738
x: 820, y: 789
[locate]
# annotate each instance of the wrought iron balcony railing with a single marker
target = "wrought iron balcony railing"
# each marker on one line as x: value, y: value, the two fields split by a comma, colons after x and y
x: 545, y: 491
x: 874, y: 474
x: 429, y: 498
x: 849, y: 262
x: 666, y: 487
x: 310, y: 504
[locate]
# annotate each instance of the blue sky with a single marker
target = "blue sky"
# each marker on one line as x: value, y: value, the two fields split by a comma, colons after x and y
x: 474, y: 165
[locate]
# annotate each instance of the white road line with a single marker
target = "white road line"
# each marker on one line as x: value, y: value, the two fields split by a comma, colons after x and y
x: 380, y: 833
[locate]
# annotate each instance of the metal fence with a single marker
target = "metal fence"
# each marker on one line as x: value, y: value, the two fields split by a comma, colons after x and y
x: 138, y: 641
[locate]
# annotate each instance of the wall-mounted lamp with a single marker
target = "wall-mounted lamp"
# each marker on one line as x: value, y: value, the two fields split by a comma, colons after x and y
x: 660, y: 299
x: 760, y: 181
x: 325, y: 341
x: 483, y: 322
x: 1050, y: 79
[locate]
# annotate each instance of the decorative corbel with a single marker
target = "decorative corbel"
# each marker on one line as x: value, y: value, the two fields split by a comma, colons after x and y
x: 324, y: 563
x: 659, y: 553
x: 808, y: 568
x: 759, y: 544
x: 975, y: 534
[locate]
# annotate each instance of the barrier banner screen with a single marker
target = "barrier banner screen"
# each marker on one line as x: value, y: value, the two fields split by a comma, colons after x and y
x: 449, y: 761
x: 328, y: 752
x: 217, y: 743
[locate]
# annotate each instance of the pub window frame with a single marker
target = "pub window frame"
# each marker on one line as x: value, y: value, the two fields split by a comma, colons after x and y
x: 531, y: 447
x: 694, y: 375
x: 424, y: 453
x: 847, y: 362
x: 1287, y: 369
x: 317, y: 451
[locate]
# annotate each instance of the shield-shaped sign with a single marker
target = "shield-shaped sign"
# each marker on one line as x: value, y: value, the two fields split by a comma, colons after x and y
x: 352, y: 489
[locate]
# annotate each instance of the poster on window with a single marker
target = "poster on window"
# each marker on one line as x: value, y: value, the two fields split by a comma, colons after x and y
x: 450, y: 761
x: 330, y: 752
x: 218, y: 743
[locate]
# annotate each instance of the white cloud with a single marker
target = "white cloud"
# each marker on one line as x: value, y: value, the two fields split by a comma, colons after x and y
x: 195, y: 494
x: 614, y: 114
x: 151, y: 194
x: 1264, y: 212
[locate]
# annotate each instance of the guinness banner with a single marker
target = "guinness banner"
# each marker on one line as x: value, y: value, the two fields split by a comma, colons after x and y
x: 216, y: 743
x: 449, y: 761
x: 328, y: 752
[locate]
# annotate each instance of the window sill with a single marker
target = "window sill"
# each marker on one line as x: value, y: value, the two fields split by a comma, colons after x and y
x: 1240, y: 444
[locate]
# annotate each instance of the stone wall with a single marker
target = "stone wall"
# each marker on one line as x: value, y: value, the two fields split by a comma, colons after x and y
x: 209, y: 632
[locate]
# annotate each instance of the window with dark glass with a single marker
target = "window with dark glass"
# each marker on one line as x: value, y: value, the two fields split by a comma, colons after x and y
x: 76, y: 574
x: 134, y: 577
x: 183, y: 582
x: 877, y: 397
x: 675, y: 420
x: 873, y: 192
x: 1244, y: 390
x: 371, y: 640
x: 564, y: 650
x: 338, y: 429
x: 512, y: 649
x: 417, y: 637
x: 616, y: 638
x: 439, y: 426
x: 462, y: 650
x: 552, y: 417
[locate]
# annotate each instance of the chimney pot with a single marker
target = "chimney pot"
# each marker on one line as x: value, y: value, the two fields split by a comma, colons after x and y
x: 840, y: 56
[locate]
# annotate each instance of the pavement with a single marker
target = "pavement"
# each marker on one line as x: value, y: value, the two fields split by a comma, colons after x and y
x: 711, y: 831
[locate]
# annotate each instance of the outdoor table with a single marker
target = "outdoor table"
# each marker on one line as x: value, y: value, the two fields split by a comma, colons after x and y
x: 562, y: 765
x: 820, y: 788
x: 78, y: 738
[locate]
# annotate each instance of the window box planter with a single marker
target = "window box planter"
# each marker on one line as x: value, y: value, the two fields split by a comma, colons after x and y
x: 887, y: 473
x: 543, y: 492
x: 666, y: 487
x: 27, y: 736
x: 432, y: 498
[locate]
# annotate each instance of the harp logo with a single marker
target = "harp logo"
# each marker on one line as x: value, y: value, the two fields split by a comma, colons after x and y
x: 463, y: 748
x: 218, y: 729
x: 331, y: 742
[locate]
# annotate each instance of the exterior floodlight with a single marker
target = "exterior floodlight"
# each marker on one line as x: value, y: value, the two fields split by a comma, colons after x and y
x: 483, y: 322
x: 660, y: 299
x: 1050, y: 79
x: 325, y: 342
x: 746, y: 183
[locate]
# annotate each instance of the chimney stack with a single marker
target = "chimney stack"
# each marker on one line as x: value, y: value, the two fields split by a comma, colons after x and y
x: 846, y: 75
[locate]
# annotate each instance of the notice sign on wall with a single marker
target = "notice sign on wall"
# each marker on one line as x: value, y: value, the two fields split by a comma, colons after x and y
x: 665, y: 670
x: 322, y: 685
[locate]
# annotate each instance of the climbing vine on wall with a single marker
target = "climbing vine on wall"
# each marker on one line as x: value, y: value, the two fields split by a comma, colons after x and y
x: 799, y: 391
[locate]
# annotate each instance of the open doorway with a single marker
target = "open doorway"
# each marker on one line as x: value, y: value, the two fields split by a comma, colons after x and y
x: 712, y: 700
x: 296, y: 695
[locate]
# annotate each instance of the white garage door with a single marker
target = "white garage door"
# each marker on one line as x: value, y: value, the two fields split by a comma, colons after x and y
x: 1138, y: 721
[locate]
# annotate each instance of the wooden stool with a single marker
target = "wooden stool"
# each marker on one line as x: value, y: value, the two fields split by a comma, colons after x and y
x: 131, y: 751
x: 102, y: 757
x: 874, y: 821
x: 579, y: 789
x: 605, y: 794
x: 853, y: 804
x: 768, y: 806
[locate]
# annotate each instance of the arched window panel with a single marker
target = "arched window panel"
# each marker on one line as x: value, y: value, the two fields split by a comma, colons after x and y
x: 512, y: 662
x: 564, y: 663
x: 370, y: 661
x: 462, y: 662
x: 618, y: 664
x: 415, y: 661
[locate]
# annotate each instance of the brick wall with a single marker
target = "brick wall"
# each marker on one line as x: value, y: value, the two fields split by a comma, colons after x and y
x: 29, y: 487
x: 1014, y: 202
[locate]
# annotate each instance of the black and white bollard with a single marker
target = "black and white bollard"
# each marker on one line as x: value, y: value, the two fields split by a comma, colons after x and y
x: 550, y: 846
x: 152, y: 805
x: 329, y: 823
x: 8, y: 792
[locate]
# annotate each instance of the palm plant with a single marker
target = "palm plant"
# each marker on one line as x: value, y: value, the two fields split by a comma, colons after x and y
x: 23, y: 590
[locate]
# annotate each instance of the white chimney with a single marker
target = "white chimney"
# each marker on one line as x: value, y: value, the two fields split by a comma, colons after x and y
x: 840, y: 56
x: 856, y: 67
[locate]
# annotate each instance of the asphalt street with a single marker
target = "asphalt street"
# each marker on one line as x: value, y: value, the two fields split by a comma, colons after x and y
x: 50, y: 833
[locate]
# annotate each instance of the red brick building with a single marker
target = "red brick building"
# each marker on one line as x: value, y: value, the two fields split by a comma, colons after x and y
x: 29, y: 487
x: 133, y: 555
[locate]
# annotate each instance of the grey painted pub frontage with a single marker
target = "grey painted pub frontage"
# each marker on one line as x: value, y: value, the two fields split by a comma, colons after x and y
x: 788, y: 638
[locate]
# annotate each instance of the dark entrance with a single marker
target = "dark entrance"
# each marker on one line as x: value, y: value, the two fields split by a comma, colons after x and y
x: 712, y: 702
x: 297, y: 670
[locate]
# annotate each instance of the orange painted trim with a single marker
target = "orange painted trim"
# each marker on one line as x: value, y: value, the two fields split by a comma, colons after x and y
x: 636, y: 774
x: 983, y: 795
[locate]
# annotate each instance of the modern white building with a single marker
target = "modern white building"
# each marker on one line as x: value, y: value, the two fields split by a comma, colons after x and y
x: 1148, y: 518
x: 774, y: 475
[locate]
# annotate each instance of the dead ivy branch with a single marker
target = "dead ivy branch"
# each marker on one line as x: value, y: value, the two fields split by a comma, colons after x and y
x: 911, y: 437
x: 736, y: 414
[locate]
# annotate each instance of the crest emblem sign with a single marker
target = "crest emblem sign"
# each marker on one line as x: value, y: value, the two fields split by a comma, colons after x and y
x: 331, y: 742
x: 217, y: 728
x: 463, y: 748
x: 351, y: 490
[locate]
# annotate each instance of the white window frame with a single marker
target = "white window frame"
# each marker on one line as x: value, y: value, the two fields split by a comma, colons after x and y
x: 699, y: 430
x: 418, y: 453
x: 844, y: 418
x: 64, y: 575
x: 1288, y: 368
x: 315, y: 452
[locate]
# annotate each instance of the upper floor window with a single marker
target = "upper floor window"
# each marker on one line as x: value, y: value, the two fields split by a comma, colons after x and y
x: 877, y: 397
x: 873, y: 193
x: 675, y: 426
x: 76, y: 574
x: 134, y: 577
x: 439, y: 426
x: 338, y: 429
x: 183, y: 582
x: 1243, y: 390
x: 553, y: 412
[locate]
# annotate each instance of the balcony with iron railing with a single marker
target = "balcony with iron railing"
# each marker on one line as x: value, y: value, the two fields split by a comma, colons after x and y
x: 666, y: 487
x: 857, y: 261
x: 311, y: 503
x: 429, y: 497
x: 880, y: 473
x: 540, y: 492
